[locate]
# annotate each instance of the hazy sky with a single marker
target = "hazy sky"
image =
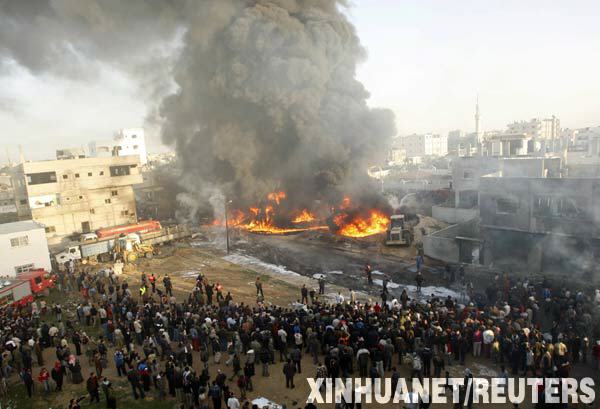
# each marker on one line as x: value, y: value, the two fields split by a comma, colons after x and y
x: 427, y: 61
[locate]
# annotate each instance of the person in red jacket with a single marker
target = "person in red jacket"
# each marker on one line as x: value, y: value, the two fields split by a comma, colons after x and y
x: 44, y: 377
x: 596, y: 354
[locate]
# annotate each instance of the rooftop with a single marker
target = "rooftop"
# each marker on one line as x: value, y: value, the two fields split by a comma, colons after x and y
x: 16, y: 227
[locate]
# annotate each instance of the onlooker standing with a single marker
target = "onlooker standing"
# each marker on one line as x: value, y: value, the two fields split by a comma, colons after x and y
x: 92, y: 388
x: 289, y: 370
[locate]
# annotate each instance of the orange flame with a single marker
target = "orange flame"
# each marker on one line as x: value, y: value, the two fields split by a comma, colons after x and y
x: 276, y: 197
x: 304, y: 217
x: 358, y: 226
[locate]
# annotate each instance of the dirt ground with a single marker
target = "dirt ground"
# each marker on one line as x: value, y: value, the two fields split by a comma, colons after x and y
x: 183, y: 264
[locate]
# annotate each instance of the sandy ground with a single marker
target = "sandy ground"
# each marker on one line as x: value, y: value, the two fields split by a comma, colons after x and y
x: 183, y: 264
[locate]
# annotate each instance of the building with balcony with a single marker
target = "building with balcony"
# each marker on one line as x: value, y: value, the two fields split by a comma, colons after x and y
x: 77, y: 195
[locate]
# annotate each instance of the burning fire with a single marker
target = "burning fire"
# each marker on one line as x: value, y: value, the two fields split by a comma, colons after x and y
x: 305, y: 216
x: 348, y: 221
x: 374, y: 222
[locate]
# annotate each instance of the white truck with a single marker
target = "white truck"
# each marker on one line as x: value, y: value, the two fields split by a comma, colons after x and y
x: 102, y: 250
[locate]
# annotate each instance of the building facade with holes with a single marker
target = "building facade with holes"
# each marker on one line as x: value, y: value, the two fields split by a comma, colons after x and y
x: 23, y: 247
x: 77, y: 195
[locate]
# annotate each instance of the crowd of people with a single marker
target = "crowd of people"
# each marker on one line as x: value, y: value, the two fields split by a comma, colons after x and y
x: 163, y: 345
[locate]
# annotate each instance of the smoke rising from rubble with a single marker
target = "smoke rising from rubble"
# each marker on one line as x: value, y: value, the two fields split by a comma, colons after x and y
x: 266, y: 91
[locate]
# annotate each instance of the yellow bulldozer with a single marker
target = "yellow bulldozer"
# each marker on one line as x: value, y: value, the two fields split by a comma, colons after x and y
x: 129, y: 250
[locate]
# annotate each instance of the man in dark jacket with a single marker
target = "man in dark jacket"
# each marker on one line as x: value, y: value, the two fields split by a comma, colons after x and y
x: 134, y: 379
x: 289, y: 370
x: 92, y: 388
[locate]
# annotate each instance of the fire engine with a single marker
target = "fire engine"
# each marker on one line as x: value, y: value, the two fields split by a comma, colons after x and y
x: 19, y: 291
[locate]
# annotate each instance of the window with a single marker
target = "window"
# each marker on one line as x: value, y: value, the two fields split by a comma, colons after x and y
x: 560, y: 206
x: 24, y: 268
x: 77, y: 175
x: 101, y: 173
x: 41, y: 178
x: 50, y: 229
x: 80, y: 197
x: 90, y: 174
x: 507, y: 205
x: 135, y: 147
x: 65, y: 176
x: 23, y: 201
x: 133, y: 136
x: 21, y: 241
x: 38, y: 280
x: 92, y: 211
x: 124, y: 212
x: 114, y: 193
x: 120, y: 170
x: 107, y: 201
x: 468, y: 174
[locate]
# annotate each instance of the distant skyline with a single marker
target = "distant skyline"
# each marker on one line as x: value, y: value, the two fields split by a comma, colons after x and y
x: 427, y: 61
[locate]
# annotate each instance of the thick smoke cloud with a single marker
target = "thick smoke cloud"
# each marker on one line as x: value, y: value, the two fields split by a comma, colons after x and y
x: 266, y: 91
x: 268, y: 100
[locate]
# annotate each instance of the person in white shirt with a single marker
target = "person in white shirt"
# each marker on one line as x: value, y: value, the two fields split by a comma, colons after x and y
x: 233, y: 402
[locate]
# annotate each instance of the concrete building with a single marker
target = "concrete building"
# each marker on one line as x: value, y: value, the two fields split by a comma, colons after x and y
x: 537, y: 128
x: 541, y: 224
x: 70, y: 153
x: 509, y: 144
x: 421, y: 145
x: 23, y: 247
x: 126, y: 142
x: 8, y: 208
x: 77, y: 195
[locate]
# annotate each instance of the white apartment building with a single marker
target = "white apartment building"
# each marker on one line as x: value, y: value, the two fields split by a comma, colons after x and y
x: 126, y: 142
x: 419, y: 145
x: 23, y: 247
x: 537, y: 128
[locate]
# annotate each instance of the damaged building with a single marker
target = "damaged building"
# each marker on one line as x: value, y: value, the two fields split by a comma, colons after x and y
x: 521, y: 216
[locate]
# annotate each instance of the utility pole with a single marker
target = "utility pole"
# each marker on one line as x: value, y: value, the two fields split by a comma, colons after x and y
x: 227, y: 225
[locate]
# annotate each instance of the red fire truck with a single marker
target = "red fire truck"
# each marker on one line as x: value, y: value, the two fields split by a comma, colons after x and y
x: 20, y: 290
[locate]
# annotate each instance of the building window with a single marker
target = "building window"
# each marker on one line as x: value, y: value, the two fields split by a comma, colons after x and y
x: 50, y: 229
x: 120, y: 170
x: 124, y: 212
x: 468, y: 174
x: 21, y: 241
x: 101, y: 173
x: 107, y: 201
x: 77, y: 175
x: 507, y: 205
x: 41, y: 178
x: 24, y: 268
x: 133, y: 136
x: 80, y: 197
x: 90, y: 174
x: 135, y: 147
x: 114, y: 193
x: 23, y: 201
x: 65, y: 176
x: 92, y: 211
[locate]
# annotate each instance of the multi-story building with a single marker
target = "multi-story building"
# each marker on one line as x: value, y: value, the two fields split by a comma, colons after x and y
x: 537, y: 128
x: 77, y: 195
x: 541, y: 224
x: 419, y: 145
x: 509, y: 144
x: 126, y: 142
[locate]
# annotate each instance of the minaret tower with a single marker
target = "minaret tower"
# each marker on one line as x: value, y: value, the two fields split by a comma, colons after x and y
x: 477, y: 115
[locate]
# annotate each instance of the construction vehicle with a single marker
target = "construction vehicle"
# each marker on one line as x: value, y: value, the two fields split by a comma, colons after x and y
x: 130, y: 248
x: 103, y: 249
x: 398, y: 232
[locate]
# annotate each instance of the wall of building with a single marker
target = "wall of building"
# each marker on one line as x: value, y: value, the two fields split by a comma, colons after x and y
x: 567, y: 206
x: 453, y: 215
x: 34, y: 252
